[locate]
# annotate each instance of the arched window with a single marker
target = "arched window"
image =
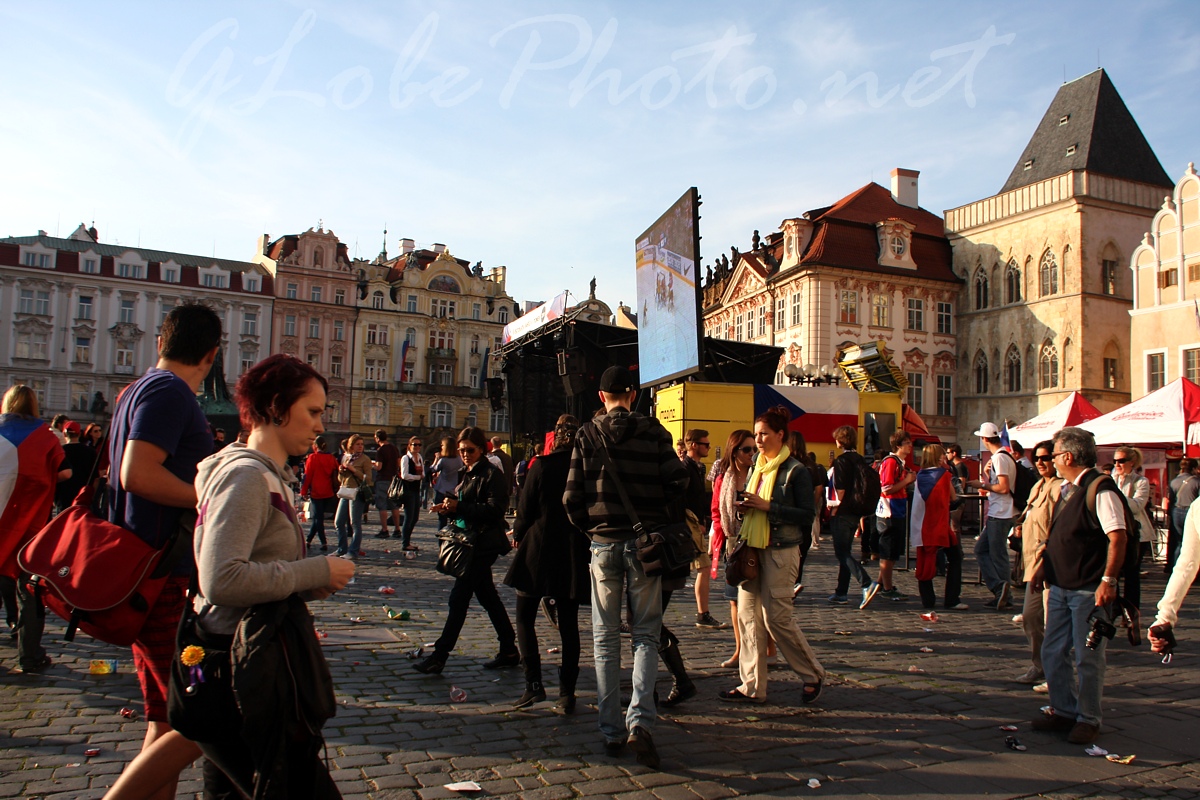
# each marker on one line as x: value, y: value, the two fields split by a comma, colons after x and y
x: 474, y: 343
x: 981, y: 373
x: 472, y: 416
x: 410, y: 336
x: 377, y: 300
x: 981, y: 289
x: 374, y: 411
x: 318, y: 257
x: 504, y: 315
x: 1012, y: 283
x: 1048, y: 274
x: 1012, y: 370
x: 1048, y: 367
x: 441, y: 415
x: 1109, y: 260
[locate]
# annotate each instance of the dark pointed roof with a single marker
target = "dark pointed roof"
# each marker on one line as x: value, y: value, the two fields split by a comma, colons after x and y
x: 1106, y: 138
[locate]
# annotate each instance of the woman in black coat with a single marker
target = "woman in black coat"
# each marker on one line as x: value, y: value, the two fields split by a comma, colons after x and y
x: 477, y: 507
x: 551, y: 561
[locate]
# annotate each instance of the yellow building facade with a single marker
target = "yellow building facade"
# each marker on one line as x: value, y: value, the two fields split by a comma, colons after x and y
x: 1165, y: 267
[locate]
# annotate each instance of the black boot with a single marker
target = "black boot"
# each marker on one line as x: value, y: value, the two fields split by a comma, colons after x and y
x: 504, y: 659
x: 683, y: 689
x: 566, y: 689
x: 534, y: 693
x: 431, y: 666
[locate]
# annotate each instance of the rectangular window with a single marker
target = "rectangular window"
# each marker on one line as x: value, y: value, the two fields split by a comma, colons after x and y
x: 737, y: 329
x: 25, y: 303
x: 162, y: 315
x: 31, y: 345
x: 339, y: 330
x: 128, y: 309
x: 1156, y: 371
x: 247, y: 360
x: 475, y: 311
x: 916, y: 392
x: 762, y: 321
x: 91, y: 266
x: 1108, y: 276
x: 42, y: 304
x: 1110, y: 373
x: 1194, y: 271
x: 795, y: 309
x: 500, y: 420
x: 1191, y: 365
x: 1168, y: 278
x: 335, y: 366
x: 780, y: 313
x: 916, y: 314
x: 250, y: 323
x: 83, y: 349
x: 881, y: 304
x: 314, y: 361
x: 412, y: 304
x: 375, y: 369
x: 945, y: 318
x: 848, y: 307
x: 751, y: 313
x: 214, y: 281
x: 474, y: 380
x: 443, y: 308
x: 171, y: 275
x: 314, y: 328
x: 292, y: 290
x: 251, y: 284
x: 80, y: 396
x: 124, y: 361
x: 129, y: 270
x: 339, y: 297
x: 316, y: 294
x: 945, y: 385
x: 289, y: 325
x: 83, y: 309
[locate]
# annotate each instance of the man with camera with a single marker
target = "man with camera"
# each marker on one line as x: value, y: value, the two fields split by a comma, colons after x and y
x: 626, y: 447
x: 1084, y: 555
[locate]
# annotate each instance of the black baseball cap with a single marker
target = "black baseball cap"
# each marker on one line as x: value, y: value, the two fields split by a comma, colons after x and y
x: 616, y: 380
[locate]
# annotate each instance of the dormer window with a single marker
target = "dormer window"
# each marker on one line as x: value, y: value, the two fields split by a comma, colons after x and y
x: 1028, y: 165
x: 1064, y: 119
x: 1071, y: 150
x: 895, y: 243
x: 898, y: 246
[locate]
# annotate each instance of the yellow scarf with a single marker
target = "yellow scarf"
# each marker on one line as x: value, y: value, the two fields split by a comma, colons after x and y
x: 756, y: 527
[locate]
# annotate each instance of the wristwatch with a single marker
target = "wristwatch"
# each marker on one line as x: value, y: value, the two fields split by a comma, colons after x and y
x: 1107, y: 579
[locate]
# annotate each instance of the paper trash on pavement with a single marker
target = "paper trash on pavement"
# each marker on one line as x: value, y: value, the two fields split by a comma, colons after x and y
x: 464, y: 786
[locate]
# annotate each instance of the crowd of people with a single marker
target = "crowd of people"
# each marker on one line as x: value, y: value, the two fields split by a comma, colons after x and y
x: 582, y: 515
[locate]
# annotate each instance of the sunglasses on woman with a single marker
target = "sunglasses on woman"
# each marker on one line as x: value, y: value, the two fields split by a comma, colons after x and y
x: 1046, y: 459
x: 745, y: 450
x: 468, y: 450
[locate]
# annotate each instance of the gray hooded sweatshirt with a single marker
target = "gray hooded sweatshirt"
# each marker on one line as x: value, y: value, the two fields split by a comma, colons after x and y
x: 249, y: 544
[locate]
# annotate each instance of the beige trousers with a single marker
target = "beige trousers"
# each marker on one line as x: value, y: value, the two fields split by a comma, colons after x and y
x: 765, y: 607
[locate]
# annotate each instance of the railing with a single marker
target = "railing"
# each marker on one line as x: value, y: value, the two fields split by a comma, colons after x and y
x: 440, y: 352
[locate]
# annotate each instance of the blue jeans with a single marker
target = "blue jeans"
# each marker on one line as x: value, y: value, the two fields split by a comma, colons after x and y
x: 349, y: 513
x: 991, y: 548
x: 316, y: 526
x: 843, y: 529
x: 1067, y: 627
x: 612, y: 566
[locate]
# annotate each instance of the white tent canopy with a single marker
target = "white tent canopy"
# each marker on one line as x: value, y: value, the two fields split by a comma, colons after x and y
x: 1073, y: 410
x: 1169, y: 416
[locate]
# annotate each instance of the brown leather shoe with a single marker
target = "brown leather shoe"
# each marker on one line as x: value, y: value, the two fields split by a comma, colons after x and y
x: 1083, y: 733
x: 1053, y: 722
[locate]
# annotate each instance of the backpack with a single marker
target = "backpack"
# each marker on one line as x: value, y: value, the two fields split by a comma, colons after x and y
x: 864, y: 492
x: 1132, y: 526
x: 1026, y: 479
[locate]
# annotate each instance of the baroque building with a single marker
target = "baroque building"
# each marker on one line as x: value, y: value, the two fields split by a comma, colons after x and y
x: 1165, y: 319
x: 83, y: 316
x: 426, y: 324
x: 874, y: 266
x: 315, y: 309
x: 1045, y: 300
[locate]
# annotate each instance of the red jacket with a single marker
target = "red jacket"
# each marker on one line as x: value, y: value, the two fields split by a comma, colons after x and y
x: 320, y: 476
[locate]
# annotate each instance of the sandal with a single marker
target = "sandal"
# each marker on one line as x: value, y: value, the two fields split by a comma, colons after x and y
x: 812, y: 691
x: 732, y: 662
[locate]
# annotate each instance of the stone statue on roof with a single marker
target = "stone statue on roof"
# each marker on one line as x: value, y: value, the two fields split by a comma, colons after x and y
x: 592, y: 289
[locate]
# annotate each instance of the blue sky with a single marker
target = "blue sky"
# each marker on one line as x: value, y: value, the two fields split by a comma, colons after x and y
x: 542, y: 135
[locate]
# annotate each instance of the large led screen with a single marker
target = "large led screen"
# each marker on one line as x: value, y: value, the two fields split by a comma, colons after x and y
x: 668, y: 309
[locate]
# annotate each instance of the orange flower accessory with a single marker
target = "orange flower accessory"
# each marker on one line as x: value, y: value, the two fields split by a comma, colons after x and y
x: 192, y: 656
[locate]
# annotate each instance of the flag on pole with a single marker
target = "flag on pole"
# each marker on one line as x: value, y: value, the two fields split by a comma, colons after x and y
x: 398, y: 367
x: 1005, y: 445
x: 1196, y: 304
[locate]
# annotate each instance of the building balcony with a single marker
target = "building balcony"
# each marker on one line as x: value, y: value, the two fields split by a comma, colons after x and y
x: 440, y: 352
x: 437, y: 389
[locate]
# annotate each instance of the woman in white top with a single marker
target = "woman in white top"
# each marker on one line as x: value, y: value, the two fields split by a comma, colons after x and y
x: 1136, y: 488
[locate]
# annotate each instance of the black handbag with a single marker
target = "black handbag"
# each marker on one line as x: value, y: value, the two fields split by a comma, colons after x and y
x: 455, y: 553
x: 667, y: 550
x: 200, y: 700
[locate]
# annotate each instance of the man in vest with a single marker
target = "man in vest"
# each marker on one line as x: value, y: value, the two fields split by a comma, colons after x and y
x: 1084, y: 555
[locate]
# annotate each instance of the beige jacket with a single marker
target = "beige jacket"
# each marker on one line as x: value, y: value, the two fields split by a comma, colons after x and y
x: 1035, y: 524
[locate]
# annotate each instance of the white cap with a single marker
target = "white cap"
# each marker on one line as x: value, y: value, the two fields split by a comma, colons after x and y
x: 988, y: 430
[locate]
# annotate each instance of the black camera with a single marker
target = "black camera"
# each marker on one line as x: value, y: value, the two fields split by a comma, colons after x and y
x: 1101, y: 628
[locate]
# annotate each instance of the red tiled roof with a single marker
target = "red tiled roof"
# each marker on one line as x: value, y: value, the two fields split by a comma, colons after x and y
x: 873, y: 203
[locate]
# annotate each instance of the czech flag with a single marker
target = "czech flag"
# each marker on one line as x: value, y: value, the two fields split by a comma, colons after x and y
x: 929, y: 525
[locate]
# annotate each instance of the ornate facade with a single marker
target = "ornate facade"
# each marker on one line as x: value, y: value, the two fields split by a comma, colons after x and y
x: 315, y: 308
x: 873, y: 266
x: 1165, y: 322
x: 82, y: 316
x: 450, y: 315
x: 1045, y: 300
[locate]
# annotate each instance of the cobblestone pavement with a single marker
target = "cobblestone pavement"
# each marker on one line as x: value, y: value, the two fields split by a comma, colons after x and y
x: 892, y: 722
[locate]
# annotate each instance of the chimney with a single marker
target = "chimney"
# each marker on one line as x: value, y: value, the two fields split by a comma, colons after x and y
x: 407, y: 246
x: 439, y: 248
x: 904, y: 187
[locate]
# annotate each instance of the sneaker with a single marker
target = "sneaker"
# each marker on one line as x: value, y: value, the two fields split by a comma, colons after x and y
x: 1004, y: 599
x: 958, y: 607
x: 383, y: 534
x: 1042, y: 688
x: 894, y: 595
x: 37, y: 666
x: 869, y: 593
x: 1032, y: 675
x: 837, y: 599
x: 706, y: 620
x: 991, y: 603
x: 642, y: 745
x: 614, y: 747
x: 324, y: 548
x: 346, y: 556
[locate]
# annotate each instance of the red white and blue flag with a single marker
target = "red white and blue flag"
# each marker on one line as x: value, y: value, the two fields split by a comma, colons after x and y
x: 929, y: 524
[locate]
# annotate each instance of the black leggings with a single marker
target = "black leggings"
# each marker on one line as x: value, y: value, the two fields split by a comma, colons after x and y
x: 527, y: 640
x: 477, y: 582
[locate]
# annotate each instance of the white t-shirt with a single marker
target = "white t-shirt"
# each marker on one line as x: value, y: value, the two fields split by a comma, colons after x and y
x: 1109, y: 510
x: 1000, y: 505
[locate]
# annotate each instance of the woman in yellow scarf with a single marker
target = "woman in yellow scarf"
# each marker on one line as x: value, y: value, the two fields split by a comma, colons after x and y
x: 778, y: 506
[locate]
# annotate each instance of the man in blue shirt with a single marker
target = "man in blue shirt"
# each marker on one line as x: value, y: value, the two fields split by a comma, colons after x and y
x: 158, y: 437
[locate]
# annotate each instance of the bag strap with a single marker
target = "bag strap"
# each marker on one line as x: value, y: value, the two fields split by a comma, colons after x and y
x: 610, y: 467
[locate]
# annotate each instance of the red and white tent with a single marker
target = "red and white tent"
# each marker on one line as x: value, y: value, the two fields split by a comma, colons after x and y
x: 1074, y: 410
x: 1168, y: 417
